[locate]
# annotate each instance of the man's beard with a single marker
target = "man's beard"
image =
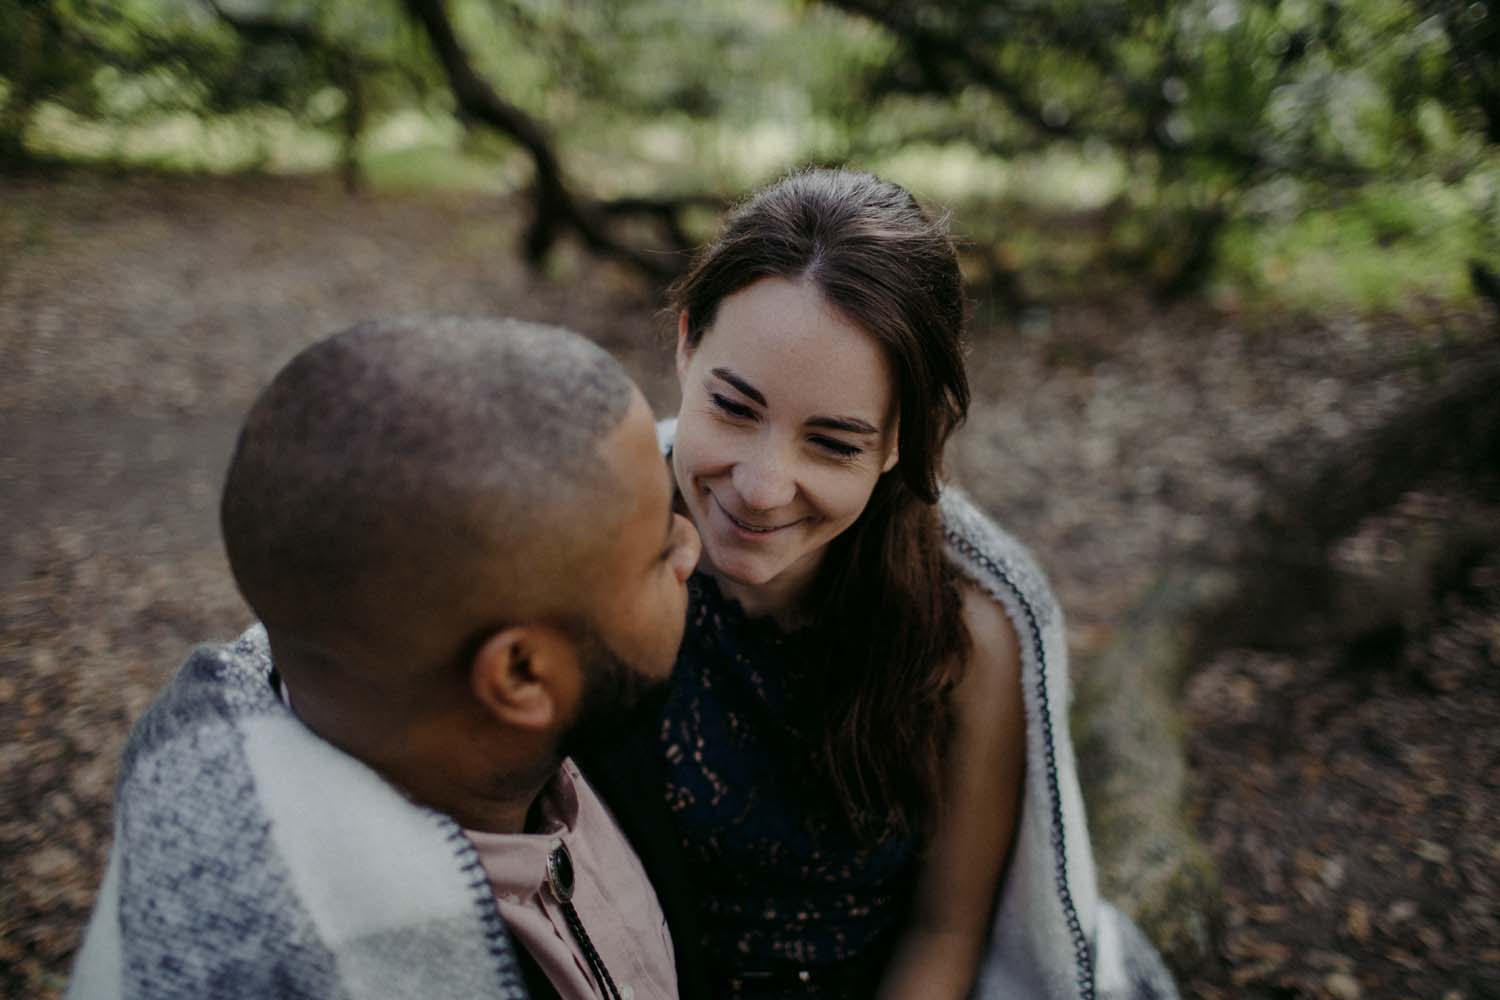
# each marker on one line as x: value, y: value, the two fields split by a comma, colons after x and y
x: 613, y: 693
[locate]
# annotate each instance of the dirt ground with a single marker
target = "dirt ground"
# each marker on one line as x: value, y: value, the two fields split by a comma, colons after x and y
x: 1351, y: 807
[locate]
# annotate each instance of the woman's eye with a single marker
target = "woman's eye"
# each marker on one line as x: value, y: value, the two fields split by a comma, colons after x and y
x: 732, y: 408
x: 837, y: 448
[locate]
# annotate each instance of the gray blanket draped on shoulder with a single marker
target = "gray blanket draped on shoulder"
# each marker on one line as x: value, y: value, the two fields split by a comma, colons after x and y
x: 1053, y: 936
x: 252, y: 859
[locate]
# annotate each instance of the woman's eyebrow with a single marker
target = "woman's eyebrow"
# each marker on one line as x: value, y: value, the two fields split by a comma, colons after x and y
x: 740, y: 384
x: 853, y: 425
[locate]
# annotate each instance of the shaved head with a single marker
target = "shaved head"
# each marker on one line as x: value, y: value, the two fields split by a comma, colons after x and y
x: 407, y: 483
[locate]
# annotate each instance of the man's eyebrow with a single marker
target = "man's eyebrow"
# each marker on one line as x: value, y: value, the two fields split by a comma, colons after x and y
x: 740, y: 384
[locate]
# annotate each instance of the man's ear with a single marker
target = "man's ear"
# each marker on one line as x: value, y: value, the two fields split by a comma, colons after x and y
x: 684, y: 352
x: 528, y: 677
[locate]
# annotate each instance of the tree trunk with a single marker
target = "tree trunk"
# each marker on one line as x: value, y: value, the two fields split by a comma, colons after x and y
x: 1129, y: 733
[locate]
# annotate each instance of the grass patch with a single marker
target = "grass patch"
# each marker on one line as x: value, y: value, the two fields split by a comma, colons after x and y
x: 1381, y: 249
x: 433, y: 167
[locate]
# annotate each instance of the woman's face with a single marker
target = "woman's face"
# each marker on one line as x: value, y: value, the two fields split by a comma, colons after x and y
x: 787, y: 421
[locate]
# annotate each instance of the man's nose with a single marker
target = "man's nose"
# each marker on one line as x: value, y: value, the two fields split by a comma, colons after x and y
x: 763, y: 480
x: 685, y: 559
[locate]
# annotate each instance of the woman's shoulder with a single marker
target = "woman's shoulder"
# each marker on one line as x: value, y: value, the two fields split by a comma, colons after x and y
x: 993, y: 666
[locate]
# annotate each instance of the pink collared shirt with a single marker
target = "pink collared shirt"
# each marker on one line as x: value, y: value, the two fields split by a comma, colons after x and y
x: 614, y: 899
x: 613, y: 896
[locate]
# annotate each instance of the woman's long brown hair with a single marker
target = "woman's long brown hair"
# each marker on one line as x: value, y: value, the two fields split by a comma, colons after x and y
x: 888, y: 635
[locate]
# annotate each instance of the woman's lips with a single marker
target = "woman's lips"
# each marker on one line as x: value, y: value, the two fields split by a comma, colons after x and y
x: 748, y: 529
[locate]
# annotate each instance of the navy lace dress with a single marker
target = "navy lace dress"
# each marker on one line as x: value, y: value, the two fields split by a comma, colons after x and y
x: 791, y: 902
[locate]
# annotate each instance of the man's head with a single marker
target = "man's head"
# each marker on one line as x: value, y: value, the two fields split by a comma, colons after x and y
x: 458, y: 533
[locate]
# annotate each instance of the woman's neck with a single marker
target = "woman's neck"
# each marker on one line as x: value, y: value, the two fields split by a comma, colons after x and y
x: 783, y: 599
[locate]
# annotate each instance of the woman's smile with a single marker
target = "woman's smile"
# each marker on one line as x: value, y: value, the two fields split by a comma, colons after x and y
x: 750, y: 528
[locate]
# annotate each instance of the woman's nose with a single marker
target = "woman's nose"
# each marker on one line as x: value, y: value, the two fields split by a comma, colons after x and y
x: 763, y: 480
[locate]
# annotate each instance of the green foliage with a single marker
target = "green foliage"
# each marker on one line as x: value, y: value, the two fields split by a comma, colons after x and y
x: 1385, y: 245
x: 1276, y: 143
x: 1215, y: 107
x: 81, y: 65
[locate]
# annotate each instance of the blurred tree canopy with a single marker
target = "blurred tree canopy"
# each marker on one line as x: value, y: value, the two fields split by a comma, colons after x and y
x: 624, y: 118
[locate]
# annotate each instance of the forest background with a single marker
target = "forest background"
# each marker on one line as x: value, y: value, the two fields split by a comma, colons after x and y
x: 1233, y: 274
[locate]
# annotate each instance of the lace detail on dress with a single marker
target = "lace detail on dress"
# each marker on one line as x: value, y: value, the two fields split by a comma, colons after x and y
x: 784, y: 886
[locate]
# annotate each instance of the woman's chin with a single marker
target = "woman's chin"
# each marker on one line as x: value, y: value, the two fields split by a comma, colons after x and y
x: 743, y: 572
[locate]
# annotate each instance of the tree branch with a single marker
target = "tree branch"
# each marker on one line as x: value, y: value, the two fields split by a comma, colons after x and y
x: 556, y: 207
x: 932, y: 50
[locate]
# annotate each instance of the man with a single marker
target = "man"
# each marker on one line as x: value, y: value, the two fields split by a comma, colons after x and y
x: 458, y: 537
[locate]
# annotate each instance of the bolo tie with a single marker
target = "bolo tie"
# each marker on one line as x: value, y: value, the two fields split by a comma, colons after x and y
x: 560, y: 882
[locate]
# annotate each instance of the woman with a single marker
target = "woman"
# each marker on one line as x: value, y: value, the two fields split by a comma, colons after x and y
x: 864, y: 746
